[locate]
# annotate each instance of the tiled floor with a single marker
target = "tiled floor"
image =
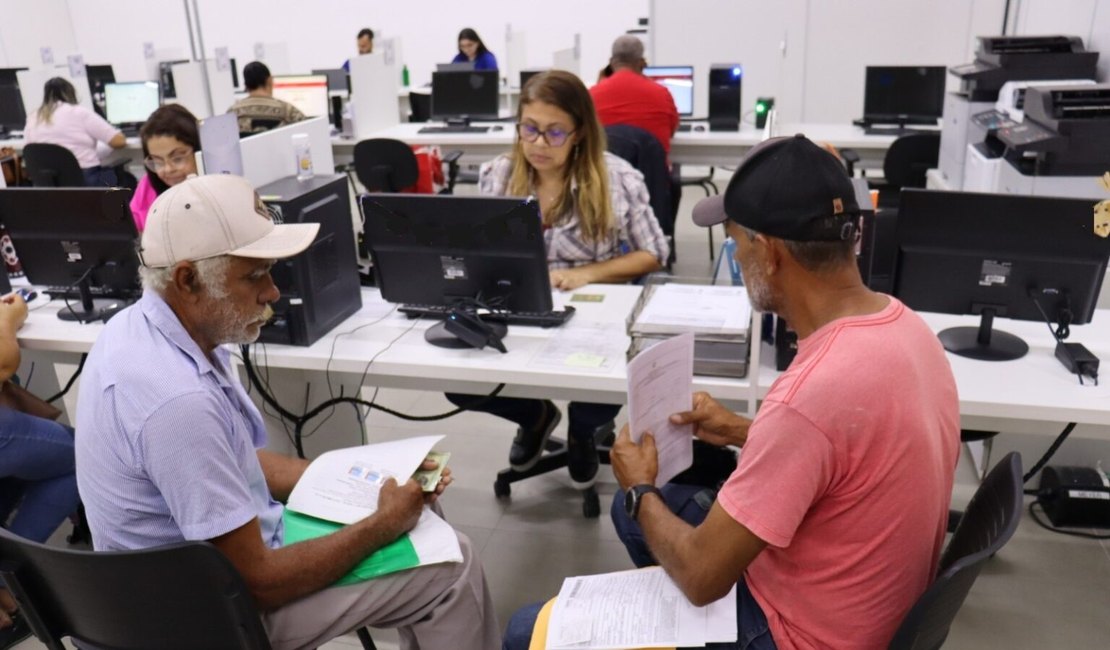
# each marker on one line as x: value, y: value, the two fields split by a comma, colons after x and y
x: 1043, y: 590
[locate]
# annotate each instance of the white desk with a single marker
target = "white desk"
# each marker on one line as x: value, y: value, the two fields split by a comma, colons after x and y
x: 1035, y: 387
x: 719, y: 148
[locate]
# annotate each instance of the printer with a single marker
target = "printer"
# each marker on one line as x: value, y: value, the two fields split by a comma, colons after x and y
x: 984, y: 157
x: 1062, y: 146
x: 999, y: 59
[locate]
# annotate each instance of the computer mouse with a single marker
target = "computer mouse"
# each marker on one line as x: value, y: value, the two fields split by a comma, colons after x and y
x: 497, y: 127
x: 699, y: 128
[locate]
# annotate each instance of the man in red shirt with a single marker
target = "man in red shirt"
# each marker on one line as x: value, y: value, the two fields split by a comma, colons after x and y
x: 628, y: 97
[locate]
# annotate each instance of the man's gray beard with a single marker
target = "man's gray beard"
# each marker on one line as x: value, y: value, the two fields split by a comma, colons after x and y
x: 228, y: 328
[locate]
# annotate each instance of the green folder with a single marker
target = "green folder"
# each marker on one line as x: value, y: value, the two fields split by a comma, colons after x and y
x: 393, y: 557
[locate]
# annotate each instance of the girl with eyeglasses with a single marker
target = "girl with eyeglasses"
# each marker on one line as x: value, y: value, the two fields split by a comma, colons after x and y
x: 170, y: 141
x: 598, y: 228
x: 61, y: 120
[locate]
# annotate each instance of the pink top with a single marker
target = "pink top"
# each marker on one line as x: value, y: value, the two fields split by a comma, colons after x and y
x: 847, y: 475
x: 141, y: 201
x: 74, y: 127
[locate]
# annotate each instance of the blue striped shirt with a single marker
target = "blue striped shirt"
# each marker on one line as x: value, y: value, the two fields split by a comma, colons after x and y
x: 166, y: 443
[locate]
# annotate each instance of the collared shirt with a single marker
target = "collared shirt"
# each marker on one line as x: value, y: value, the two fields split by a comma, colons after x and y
x: 484, y: 61
x: 267, y: 109
x: 628, y: 97
x: 637, y: 229
x: 166, y: 442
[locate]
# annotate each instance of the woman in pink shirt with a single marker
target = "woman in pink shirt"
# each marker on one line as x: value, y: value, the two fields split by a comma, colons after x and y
x: 62, y: 121
x: 170, y: 142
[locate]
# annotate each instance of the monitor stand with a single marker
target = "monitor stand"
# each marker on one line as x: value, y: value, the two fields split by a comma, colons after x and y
x: 983, y: 343
x: 438, y: 335
x: 90, y: 309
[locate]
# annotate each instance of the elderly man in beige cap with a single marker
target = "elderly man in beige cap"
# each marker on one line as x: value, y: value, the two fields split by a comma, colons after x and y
x: 170, y: 447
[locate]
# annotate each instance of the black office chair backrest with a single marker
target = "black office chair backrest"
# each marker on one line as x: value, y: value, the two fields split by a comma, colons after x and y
x: 989, y: 521
x: 643, y: 151
x: 51, y: 165
x: 909, y: 157
x: 385, y: 165
x: 175, y: 597
x: 420, y: 107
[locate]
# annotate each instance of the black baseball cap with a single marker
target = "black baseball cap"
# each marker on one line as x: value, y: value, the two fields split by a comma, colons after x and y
x: 788, y: 188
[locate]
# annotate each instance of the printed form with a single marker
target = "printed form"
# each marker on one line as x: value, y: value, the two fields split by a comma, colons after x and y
x: 660, y: 384
x: 635, y: 609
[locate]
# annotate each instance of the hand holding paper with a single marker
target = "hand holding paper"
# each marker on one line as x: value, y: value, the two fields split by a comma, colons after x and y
x: 660, y: 383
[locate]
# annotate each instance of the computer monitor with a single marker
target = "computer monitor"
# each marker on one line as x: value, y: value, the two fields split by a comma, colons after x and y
x: 903, y: 94
x: 98, y: 75
x: 525, y: 75
x: 997, y: 255
x: 76, y: 237
x: 337, y: 78
x: 234, y: 73
x: 13, y: 117
x: 679, y: 80
x: 130, y: 103
x: 464, y: 95
x: 308, y: 92
x: 462, y: 66
x: 458, y: 250
x: 165, y: 77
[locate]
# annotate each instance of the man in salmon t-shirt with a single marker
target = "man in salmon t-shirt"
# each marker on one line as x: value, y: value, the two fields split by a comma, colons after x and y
x: 833, y: 521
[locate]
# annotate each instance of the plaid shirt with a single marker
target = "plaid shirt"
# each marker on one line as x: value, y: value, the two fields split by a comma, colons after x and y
x: 636, y: 226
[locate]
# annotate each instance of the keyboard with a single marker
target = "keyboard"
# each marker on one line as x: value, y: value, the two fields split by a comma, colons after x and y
x: 894, y: 130
x: 684, y: 127
x: 73, y: 293
x: 553, y: 318
x: 454, y: 128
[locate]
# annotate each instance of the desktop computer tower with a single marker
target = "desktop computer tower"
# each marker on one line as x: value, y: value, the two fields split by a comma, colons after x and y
x: 319, y: 287
x: 724, y: 96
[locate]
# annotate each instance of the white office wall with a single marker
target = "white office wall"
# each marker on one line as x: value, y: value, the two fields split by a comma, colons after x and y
x: 811, y: 54
x: 113, y: 32
x: 27, y: 26
x: 1088, y: 19
x: 766, y: 38
x: 322, y: 34
x: 847, y: 36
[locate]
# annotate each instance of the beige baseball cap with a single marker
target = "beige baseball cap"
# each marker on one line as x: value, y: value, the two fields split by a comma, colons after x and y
x: 220, y: 214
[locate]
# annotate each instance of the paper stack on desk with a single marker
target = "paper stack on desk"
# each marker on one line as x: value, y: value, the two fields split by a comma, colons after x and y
x: 342, y: 487
x: 642, y: 608
x: 701, y: 309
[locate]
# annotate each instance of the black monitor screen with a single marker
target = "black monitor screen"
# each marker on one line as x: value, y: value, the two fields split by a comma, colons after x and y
x: 998, y: 255
x: 525, y: 75
x: 465, y: 94
x: 74, y: 236
x: 904, y: 94
x: 440, y: 250
x: 98, y: 76
x: 12, y: 114
x: 337, y: 78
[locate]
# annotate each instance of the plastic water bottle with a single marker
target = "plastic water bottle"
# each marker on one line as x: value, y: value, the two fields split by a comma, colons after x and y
x: 405, y: 75
x: 302, y: 152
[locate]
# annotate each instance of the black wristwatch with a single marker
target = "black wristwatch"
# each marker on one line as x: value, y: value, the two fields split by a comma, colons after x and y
x: 633, y: 496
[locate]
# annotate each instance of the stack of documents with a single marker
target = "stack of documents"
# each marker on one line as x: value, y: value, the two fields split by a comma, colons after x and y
x: 642, y: 608
x: 719, y: 317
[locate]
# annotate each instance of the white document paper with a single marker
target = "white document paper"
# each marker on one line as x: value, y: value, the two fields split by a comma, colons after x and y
x: 632, y: 609
x: 702, y: 309
x: 585, y: 346
x: 660, y: 384
x: 343, y: 485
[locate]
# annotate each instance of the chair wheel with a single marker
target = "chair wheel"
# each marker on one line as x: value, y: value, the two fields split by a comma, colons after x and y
x: 591, y: 505
x: 502, y: 489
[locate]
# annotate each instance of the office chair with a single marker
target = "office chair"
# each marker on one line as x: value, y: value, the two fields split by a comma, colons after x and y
x: 186, y: 595
x: 990, y: 520
x: 260, y: 125
x: 51, y: 165
x: 643, y: 151
x: 386, y: 165
x: 706, y: 183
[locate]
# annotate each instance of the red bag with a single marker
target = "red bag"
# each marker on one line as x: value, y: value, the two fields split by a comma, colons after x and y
x: 430, y: 179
